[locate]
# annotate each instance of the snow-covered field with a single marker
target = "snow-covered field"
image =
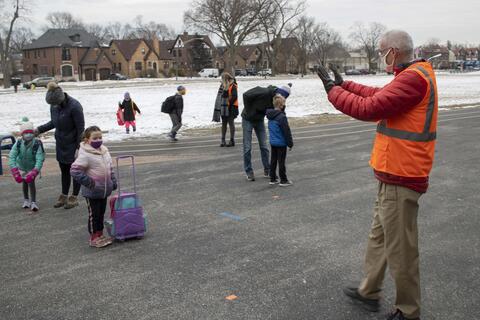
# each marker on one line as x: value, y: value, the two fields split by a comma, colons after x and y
x: 100, y: 100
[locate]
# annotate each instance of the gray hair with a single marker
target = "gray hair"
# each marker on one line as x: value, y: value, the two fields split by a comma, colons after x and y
x: 400, y: 40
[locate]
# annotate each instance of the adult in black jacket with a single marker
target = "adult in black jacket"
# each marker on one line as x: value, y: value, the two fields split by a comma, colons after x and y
x: 229, y: 108
x: 177, y: 112
x: 129, y: 109
x: 256, y: 102
x: 68, y: 121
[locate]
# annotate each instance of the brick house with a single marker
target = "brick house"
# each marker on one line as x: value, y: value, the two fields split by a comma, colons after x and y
x: 247, y: 57
x: 140, y: 58
x: 96, y: 65
x: 288, y: 57
x: 182, y: 51
x: 58, y: 53
x: 442, y: 62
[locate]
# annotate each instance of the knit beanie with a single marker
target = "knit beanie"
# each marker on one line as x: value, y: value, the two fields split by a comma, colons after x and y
x: 126, y: 96
x: 26, y: 126
x: 284, y: 90
x: 55, y: 95
x: 180, y: 88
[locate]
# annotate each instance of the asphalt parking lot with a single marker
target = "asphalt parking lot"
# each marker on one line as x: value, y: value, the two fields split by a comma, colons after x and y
x: 285, y: 253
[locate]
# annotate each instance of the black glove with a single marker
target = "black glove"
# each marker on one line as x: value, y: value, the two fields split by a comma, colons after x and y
x: 325, y: 77
x: 338, y: 76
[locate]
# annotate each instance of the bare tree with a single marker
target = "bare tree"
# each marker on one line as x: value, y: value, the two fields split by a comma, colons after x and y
x: 20, y: 38
x: 305, y: 34
x: 233, y: 21
x: 116, y: 30
x: 11, y: 12
x: 152, y: 29
x: 368, y: 38
x: 63, y: 20
x: 325, y: 39
x: 278, y: 21
x: 97, y: 30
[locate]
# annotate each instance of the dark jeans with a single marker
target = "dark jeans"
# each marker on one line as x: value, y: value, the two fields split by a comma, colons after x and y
x: 33, y: 191
x: 67, y: 180
x: 279, y: 155
x: 96, y: 212
x: 261, y: 133
x: 230, y: 121
x: 176, y: 124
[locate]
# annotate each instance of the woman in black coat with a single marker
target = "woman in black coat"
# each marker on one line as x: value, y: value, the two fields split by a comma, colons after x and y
x: 228, y: 108
x: 68, y: 121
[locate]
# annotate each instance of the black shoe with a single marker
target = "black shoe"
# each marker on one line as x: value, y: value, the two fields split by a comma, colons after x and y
x: 368, y: 304
x: 231, y: 144
x: 134, y: 129
x: 398, y: 315
x: 273, y: 182
x: 128, y: 131
x: 266, y: 174
x: 286, y: 183
x: 250, y: 176
x: 223, y: 144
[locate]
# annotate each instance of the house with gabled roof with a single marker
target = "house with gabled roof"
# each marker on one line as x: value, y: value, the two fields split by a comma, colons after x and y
x: 192, y: 52
x: 96, y: 65
x: 247, y: 57
x: 57, y: 53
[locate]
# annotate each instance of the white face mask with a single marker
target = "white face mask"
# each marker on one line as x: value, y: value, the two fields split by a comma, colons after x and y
x: 28, y: 136
x: 388, y: 67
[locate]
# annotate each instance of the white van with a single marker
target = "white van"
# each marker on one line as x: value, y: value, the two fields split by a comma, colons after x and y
x: 208, y: 73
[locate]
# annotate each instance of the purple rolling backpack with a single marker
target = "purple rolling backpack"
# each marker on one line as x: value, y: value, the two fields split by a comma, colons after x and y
x: 127, y: 219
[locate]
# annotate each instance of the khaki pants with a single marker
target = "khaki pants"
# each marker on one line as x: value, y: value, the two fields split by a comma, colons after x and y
x: 393, y: 240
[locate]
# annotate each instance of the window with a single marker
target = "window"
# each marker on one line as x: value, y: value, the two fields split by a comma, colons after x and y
x: 143, y: 50
x: 35, y: 69
x: 44, y: 53
x: 149, y: 63
x: 67, y: 71
x: 114, y: 52
x: 179, y: 53
x: 236, y: 63
x: 174, y: 53
x: 35, y: 54
x: 44, y: 70
x: 138, y: 66
x: 66, y: 54
x: 120, y: 67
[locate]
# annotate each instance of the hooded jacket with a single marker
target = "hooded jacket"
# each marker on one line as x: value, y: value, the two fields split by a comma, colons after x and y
x: 25, y: 160
x: 279, y: 129
x: 68, y: 121
x: 129, y: 108
x: 94, y: 171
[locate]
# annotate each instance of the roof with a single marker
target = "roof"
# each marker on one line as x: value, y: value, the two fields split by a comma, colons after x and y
x: 246, y: 51
x: 92, y: 56
x: 165, y: 47
x: 127, y: 47
x: 64, y: 37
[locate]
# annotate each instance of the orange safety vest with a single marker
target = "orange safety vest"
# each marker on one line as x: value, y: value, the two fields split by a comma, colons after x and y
x: 230, y: 89
x: 405, y: 145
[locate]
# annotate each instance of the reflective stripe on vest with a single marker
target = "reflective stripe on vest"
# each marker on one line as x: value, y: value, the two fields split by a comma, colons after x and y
x: 414, y: 136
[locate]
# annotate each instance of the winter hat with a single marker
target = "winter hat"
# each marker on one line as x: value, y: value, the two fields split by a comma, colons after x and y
x: 126, y: 96
x: 180, y: 88
x: 284, y: 90
x: 55, y: 95
x: 26, y: 126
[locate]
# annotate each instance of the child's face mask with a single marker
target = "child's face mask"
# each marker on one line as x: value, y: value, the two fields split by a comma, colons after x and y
x: 96, y: 143
x: 28, y: 136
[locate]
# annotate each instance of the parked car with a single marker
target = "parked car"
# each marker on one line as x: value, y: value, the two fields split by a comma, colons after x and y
x: 265, y: 72
x: 353, y: 72
x: 117, y: 76
x: 251, y: 72
x: 39, y: 82
x: 208, y: 73
x: 240, y: 72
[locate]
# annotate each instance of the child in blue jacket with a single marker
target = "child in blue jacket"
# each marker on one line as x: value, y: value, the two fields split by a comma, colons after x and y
x: 26, y: 160
x: 280, y: 139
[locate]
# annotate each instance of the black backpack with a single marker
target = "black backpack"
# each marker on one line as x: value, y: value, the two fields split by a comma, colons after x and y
x: 168, y: 105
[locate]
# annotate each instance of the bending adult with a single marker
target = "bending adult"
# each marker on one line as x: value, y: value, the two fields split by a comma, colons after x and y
x: 256, y: 102
x: 68, y: 121
x: 402, y: 158
x: 228, y: 108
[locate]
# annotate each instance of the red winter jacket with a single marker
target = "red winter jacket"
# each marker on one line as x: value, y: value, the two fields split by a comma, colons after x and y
x: 365, y: 103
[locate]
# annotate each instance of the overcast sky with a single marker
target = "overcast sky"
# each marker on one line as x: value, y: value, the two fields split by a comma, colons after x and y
x: 425, y: 19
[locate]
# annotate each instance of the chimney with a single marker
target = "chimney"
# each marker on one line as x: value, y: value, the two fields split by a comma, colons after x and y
x: 185, y: 33
x: 156, y: 44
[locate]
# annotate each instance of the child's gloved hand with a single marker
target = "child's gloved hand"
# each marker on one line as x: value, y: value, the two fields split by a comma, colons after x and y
x: 16, y: 175
x: 30, y: 177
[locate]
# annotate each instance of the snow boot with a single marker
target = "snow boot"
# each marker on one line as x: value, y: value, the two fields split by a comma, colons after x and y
x: 72, y: 202
x: 62, y: 200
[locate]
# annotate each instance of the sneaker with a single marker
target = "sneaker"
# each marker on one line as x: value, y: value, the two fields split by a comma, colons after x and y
x: 223, y: 144
x: 34, y: 207
x: 173, y: 139
x: 371, y: 305
x: 398, y: 315
x: 273, y: 182
x: 26, y: 204
x: 231, y: 144
x: 72, y: 202
x: 98, y: 242
x: 286, y: 183
x: 266, y: 174
x: 107, y: 240
x: 250, y: 176
x: 62, y: 200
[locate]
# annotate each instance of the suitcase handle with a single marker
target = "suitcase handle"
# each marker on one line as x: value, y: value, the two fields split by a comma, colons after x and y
x: 133, y: 172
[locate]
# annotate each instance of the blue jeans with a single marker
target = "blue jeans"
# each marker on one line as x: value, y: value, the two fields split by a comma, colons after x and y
x: 261, y: 133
